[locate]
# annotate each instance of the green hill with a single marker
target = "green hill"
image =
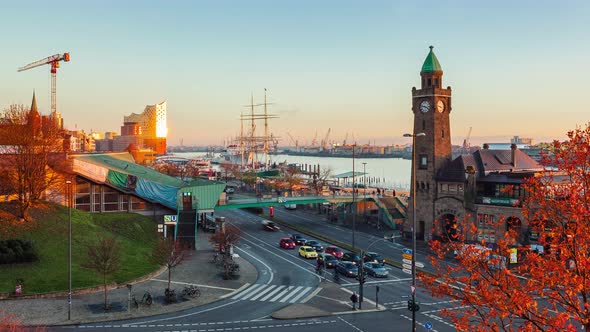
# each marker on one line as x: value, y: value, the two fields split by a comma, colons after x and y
x: 49, y: 233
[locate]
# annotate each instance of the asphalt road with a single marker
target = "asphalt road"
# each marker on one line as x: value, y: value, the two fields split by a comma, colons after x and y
x: 285, y: 279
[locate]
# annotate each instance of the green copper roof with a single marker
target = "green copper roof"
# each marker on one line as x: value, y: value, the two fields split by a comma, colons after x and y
x: 431, y: 63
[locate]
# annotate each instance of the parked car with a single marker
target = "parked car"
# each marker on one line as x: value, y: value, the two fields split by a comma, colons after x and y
x: 315, y: 245
x: 327, y: 260
x: 351, y: 257
x: 269, y: 225
x: 347, y: 268
x: 334, y: 251
x: 375, y: 269
x: 299, y: 239
x: 290, y: 206
x: 229, y: 190
x: 286, y: 243
x: 373, y: 257
x: 307, y: 252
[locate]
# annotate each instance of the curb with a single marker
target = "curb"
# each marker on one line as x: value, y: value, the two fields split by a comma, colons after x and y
x: 82, y: 291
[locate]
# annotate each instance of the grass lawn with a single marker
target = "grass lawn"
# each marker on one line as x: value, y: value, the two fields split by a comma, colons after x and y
x: 49, y: 232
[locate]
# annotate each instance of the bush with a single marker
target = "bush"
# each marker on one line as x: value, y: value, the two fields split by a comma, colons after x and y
x: 17, y: 251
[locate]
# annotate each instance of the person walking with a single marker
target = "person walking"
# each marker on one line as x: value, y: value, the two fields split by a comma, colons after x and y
x: 354, y: 298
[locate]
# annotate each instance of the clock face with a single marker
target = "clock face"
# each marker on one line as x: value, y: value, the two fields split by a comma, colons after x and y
x: 440, y: 106
x: 424, y: 106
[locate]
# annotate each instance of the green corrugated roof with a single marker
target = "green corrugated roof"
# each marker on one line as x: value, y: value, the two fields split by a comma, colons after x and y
x: 431, y: 63
x: 120, y: 162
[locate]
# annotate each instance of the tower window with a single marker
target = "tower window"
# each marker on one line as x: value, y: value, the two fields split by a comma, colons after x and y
x: 423, y: 82
x: 423, y: 161
x: 423, y: 124
x: 442, y: 133
x: 436, y: 82
x: 429, y: 82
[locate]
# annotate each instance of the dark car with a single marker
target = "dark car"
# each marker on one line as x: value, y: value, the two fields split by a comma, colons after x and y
x: 351, y: 257
x: 315, y: 244
x: 298, y: 239
x: 286, y: 243
x: 375, y: 269
x: 347, y: 268
x: 373, y: 257
x: 327, y: 260
x: 270, y: 226
x: 334, y: 251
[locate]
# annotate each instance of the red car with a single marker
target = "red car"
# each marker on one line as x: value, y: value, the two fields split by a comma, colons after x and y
x: 287, y: 243
x: 334, y: 251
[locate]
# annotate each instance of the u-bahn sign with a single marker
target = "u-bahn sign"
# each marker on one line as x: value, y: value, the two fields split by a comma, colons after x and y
x: 407, y: 251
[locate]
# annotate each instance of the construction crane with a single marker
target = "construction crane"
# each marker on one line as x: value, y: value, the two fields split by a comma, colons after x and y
x: 325, y: 140
x: 466, y: 145
x: 314, y: 142
x: 54, y: 62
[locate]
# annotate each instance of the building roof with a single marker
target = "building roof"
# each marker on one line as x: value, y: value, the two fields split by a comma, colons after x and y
x: 431, y: 63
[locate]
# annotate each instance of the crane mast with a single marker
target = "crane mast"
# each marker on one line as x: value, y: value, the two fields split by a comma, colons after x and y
x: 54, y: 61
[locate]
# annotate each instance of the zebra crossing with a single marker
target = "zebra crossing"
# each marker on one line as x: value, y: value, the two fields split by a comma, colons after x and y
x: 274, y: 293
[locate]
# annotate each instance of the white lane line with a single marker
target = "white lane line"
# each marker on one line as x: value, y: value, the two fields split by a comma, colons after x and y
x: 288, y: 289
x: 271, y: 293
x: 248, y: 292
x: 300, y: 295
x: 189, y: 283
x: 349, y: 324
x: 182, y: 316
x: 261, y: 262
x: 263, y: 292
x: 288, y: 296
x: 314, y: 293
x: 246, y: 285
x: 417, y: 322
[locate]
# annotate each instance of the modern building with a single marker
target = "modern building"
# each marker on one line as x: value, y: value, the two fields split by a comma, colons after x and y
x: 483, y: 188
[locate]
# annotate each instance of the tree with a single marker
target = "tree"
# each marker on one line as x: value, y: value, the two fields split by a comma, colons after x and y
x: 34, y: 147
x: 9, y: 323
x: 104, y: 258
x: 548, y: 291
x: 321, y: 180
x: 226, y: 236
x: 169, y: 253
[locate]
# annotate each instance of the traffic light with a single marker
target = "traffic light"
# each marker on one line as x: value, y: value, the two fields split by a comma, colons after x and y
x: 413, y: 306
x: 361, y: 277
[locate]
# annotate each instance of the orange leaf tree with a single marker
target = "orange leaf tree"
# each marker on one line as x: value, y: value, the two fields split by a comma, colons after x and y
x: 549, y: 289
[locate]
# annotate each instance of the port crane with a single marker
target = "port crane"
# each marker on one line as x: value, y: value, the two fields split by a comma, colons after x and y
x: 325, y: 146
x: 294, y: 141
x: 54, y: 61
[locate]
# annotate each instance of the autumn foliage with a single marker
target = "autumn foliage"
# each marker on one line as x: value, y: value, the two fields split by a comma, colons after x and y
x: 549, y: 288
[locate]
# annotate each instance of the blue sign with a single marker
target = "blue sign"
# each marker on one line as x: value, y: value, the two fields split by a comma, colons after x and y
x: 428, y: 325
x: 407, y: 251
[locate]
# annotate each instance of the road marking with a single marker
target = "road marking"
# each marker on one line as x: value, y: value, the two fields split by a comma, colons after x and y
x: 349, y: 324
x: 293, y: 300
x: 182, y: 316
x: 314, y: 293
x: 261, y: 262
x: 288, y: 289
x: 263, y: 292
x: 271, y: 293
x: 248, y: 292
x: 381, y: 307
x: 235, y: 291
x: 290, y: 295
x: 417, y: 322
x: 188, y: 283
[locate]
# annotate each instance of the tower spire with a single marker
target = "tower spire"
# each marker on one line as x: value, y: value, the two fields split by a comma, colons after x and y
x: 34, y: 103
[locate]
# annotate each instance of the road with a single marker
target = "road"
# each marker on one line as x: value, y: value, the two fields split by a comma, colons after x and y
x: 286, y: 279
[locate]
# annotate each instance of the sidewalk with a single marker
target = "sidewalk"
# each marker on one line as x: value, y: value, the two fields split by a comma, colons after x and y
x: 86, y: 308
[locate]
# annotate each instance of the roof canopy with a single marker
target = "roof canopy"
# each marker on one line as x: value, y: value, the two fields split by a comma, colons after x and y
x: 431, y: 63
x: 348, y: 175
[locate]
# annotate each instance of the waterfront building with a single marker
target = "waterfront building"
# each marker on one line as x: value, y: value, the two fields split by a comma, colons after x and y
x: 471, y: 187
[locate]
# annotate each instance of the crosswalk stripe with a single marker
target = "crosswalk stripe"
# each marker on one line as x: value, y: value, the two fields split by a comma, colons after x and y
x: 271, y: 293
x: 281, y: 293
x: 248, y: 291
x: 284, y: 299
x: 300, y: 295
x: 263, y: 292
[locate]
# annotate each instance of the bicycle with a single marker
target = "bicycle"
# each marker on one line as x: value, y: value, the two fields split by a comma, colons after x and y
x: 215, y: 258
x: 319, y: 270
x: 169, y: 295
x: 145, y: 300
x: 191, y: 291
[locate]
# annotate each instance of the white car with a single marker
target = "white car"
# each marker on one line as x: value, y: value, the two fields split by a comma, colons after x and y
x: 290, y: 206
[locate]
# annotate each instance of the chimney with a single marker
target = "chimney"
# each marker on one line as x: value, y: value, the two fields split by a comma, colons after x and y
x: 513, y: 154
x: 486, y: 146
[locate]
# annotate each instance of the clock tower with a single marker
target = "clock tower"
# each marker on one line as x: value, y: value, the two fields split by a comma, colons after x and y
x: 431, y: 105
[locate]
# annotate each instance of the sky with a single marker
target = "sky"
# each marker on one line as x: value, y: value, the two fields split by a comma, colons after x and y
x: 515, y: 67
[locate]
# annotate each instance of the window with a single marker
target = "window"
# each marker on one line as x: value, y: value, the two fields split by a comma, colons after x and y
x: 442, y: 133
x: 423, y: 161
x: 436, y: 82
x: 423, y: 124
x: 485, y: 221
x: 429, y: 82
x: 452, y: 188
x: 444, y: 187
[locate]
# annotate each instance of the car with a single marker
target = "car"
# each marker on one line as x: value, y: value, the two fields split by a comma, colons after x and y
x: 229, y: 190
x: 373, y: 257
x: 327, y: 260
x: 315, y: 245
x: 290, y: 206
x: 334, y: 251
x: 269, y: 225
x: 307, y: 252
x: 351, y: 257
x: 375, y: 269
x: 299, y: 239
x: 287, y: 243
x: 347, y: 268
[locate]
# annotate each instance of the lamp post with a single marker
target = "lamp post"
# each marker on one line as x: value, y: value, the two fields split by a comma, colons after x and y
x: 364, y: 192
x: 353, y: 198
x: 69, y: 200
x: 413, y: 191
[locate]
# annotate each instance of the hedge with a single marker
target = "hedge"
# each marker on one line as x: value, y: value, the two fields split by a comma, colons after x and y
x: 17, y: 251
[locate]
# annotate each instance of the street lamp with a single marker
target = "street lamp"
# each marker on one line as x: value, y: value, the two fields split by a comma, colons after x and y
x: 353, y: 198
x: 365, y: 192
x: 362, y: 266
x: 69, y: 200
x: 413, y: 191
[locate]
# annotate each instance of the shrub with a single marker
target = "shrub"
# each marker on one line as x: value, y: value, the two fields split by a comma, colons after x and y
x: 17, y: 251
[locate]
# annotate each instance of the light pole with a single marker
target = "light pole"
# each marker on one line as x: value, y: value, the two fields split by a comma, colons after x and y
x: 353, y: 198
x: 413, y: 191
x: 364, y: 192
x: 69, y: 200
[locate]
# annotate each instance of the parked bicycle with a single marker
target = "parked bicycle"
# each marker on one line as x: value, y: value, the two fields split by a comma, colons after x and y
x: 169, y: 295
x: 145, y: 300
x: 191, y: 291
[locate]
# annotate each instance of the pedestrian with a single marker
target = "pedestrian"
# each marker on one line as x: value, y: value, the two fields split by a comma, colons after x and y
x: 354, y: 298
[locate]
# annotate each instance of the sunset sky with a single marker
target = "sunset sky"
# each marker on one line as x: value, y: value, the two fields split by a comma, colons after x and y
x: 515, y: 67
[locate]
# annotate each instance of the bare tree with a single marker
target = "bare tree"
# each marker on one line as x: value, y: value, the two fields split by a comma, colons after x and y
x: 104, y: 258
x: 9, y: 323
x: 227, y: 236
x: 169, y: 253
x: 34, y: 148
